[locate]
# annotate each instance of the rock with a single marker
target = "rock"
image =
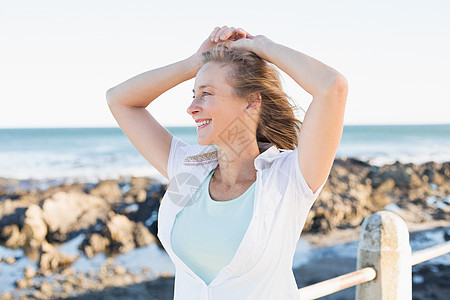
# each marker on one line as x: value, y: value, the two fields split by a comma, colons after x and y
x: 141, y: 196
x: 440, y: 180
x: 108, y: 190
x: 30, y: 272
x: 379, y: 200
x: 81, y: 277
x: 67, y: 287
x: 386, y: 186
x: 24, y: 283
x: 355, y: 190
x: 103, y: 270
x: 447, y: 235
x: 73, y: 280
x: 68, y: 272
x: 6, y: 296
x: 10, y: 260
x: 11, y: 236
x: 110, y: 261
x: 45, y: 273
x: 121, y: 233
x: 34, y: 228
x: 138, y: 190
x: 401, y: 176
x: 94, y: 243
x: 140, y: 183
x: 120, y: 270
x: 117, y: 235
x: 444, y: 170
x: 46, y: 288
x: 11, y: 212
x: 67, y: 213
x: 142, y: 236
x: 53, y: 260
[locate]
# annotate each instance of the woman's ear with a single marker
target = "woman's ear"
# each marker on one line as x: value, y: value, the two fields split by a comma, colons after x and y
x: 254, y: 102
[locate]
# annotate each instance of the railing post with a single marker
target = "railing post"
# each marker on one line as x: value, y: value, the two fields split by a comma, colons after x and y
x: 384, y: 246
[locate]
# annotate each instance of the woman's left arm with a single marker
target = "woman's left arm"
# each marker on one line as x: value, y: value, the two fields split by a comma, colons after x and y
x: 322, y: 126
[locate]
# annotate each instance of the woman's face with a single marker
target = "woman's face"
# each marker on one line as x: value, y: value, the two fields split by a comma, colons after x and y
x: 214, y: 102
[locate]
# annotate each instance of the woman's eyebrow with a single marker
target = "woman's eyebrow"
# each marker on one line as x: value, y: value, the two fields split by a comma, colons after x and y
x: 202, y: 87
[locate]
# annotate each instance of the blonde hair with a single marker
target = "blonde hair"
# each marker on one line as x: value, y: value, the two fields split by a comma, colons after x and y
x: 277, y: 123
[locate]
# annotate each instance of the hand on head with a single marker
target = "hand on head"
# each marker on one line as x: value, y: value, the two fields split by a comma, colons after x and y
x: 227, y: 36
x: 225, y: 33
x: 235, y: 39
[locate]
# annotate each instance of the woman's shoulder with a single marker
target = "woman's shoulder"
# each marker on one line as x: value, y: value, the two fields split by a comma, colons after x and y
x: 193, y: 154
x: 272, y: 159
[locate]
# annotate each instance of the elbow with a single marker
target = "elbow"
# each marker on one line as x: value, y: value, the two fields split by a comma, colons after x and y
x: 341, y: 84
x: 110, y: 96
x: 116, y: 98
x: 337, y: 87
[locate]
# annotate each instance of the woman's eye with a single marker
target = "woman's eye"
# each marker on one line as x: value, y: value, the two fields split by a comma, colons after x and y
x: 203, y: 94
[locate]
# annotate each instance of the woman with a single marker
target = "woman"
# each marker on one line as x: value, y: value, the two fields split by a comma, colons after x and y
x: 237, y: 202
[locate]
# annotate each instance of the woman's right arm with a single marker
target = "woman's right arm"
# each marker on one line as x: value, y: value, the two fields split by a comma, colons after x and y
x: 128, y: 101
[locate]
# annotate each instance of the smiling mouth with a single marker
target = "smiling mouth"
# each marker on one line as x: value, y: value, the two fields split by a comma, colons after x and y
x: 203, y: 124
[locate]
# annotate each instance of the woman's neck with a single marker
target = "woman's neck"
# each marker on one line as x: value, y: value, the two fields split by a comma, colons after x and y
x: 236, y: 165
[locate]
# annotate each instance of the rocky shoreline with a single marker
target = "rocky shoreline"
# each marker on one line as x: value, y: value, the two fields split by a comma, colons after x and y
x: 118, y: 216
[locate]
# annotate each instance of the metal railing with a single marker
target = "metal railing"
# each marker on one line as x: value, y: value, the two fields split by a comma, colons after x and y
x: 384, y: 262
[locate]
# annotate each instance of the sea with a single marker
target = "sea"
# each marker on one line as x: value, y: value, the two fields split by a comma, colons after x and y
x: 50, y: 156
x: 92, y: 154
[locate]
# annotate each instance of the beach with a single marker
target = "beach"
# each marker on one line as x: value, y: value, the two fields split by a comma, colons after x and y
x: 98, y: 240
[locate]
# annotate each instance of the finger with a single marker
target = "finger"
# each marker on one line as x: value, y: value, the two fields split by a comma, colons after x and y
x: 230, y: 32
x: 243, y: 34
x: 213, y: 34
x: 227, y: 44
x: 233, y: 45
x: 220, y: 32
x: 241, y: 44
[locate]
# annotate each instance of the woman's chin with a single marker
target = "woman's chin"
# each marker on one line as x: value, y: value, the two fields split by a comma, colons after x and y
x: 203, y: 139
x: 204, y: 142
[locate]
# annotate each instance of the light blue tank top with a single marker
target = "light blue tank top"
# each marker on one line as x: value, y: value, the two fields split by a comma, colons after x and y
x: 207, y: 233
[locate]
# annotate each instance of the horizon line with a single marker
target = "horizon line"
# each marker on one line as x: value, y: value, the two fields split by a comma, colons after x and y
x: 193, y: 126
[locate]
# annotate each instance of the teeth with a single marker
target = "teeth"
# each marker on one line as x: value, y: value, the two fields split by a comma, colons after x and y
x: 202, y: 123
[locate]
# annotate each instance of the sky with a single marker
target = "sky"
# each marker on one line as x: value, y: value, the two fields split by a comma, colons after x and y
x: 58, y: 58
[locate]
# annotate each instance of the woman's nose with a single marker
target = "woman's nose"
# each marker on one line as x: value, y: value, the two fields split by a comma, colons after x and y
x: 194, y: 108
